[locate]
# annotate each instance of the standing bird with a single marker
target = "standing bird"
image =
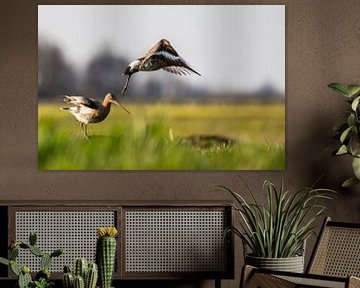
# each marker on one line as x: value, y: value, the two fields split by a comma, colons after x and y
x: 161, y: 56
x: 87, y: 110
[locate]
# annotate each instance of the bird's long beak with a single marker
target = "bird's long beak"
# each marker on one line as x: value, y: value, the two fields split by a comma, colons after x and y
x: 114, y: 101
x: 117, y: 103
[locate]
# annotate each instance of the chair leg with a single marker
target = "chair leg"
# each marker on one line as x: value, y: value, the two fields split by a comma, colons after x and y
x: 246, y: 274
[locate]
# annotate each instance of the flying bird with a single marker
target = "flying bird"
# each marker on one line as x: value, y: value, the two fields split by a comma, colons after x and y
x: 161, y: 56
x: 88, y: 110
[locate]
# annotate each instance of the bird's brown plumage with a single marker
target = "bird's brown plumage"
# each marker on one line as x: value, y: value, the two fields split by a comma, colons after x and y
x: 88, y: 110
x: 162, y: 45
x: 161, y: 56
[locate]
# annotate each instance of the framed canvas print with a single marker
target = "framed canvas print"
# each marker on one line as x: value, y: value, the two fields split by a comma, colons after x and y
x: 161, y: 87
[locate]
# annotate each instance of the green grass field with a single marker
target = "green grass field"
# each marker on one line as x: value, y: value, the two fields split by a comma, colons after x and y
x: 161, y: 137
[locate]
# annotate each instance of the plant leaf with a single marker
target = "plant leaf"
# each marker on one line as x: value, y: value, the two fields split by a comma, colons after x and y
x: 342, y: 150
x: 345, y: 134
x: 340, y: 88
x: 355, y: 103
x: 349, y: 182
x: 4, y: 261
x: 354, y: 145
x: 351, y: 119
x: 353, y: 89
x: 14, y: 268
x: 279, y: 228
x: 356, y: 167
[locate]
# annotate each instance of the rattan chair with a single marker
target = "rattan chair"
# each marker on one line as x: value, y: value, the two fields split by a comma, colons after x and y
x: 335, y: 262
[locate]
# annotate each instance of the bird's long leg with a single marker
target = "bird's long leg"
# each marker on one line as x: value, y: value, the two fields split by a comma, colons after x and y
x: 84, y: 130
x: 123, y: 93
x: 125, y: 87
x: 82, y: 127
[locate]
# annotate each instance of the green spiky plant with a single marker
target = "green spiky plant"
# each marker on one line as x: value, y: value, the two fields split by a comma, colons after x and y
x: 279, y: 229
x: 348, y: 132
x: 85, y: 275
x: 42, y: 278
x: 106, y: 254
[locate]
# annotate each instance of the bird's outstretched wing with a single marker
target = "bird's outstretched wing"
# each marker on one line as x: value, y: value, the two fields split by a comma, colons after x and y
x: 179, y: 70
x: 173, y: 64
x: 166, y: 57
x: 176, y: 70
x: 163, y: 45
x: 80, y: 101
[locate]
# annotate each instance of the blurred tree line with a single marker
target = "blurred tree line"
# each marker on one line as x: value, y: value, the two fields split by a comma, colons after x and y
x: 56, y: 76
x: 103, y: 74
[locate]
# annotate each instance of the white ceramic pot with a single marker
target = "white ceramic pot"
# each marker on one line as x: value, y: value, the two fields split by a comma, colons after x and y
x: 291, y: 264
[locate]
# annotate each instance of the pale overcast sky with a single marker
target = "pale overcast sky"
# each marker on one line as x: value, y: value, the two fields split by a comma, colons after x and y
x: 234, y: 47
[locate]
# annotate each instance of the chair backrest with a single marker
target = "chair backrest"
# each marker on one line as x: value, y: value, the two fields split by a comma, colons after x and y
x: 337, y: 251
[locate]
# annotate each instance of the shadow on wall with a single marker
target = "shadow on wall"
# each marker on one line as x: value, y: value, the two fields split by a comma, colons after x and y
x: 318, y: 146
x: 314, y: 161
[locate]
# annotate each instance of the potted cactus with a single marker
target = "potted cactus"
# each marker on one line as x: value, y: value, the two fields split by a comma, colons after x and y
x: 106, y: 254
x: 42, y: 278
x: 84, y: 275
